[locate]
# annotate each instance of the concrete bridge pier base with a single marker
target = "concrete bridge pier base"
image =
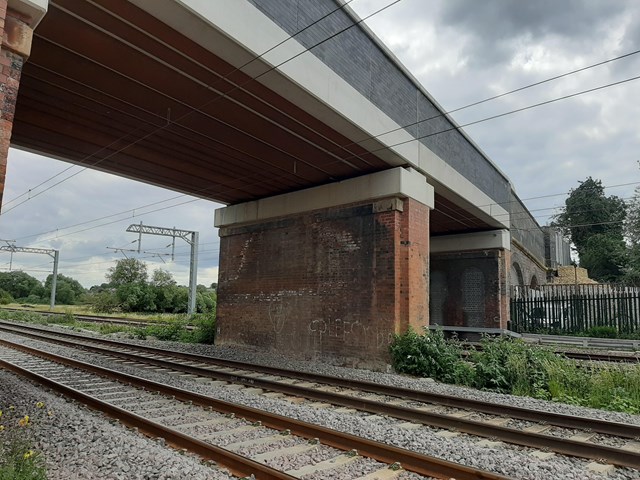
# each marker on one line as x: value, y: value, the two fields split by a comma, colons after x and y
x: 327, y: 273
x: 469, y: 279
x: 17, y: 21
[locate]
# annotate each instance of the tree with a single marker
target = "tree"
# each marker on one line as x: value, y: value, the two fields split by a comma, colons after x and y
x: 632, y: 224
x: 594, y: 223
x: 162, y: 278
x: 632, y: 234
x: 589, y: 212
x: 605, y: 257
x: 68, y: 290
x: 127, y: 270
x: 21, y: 285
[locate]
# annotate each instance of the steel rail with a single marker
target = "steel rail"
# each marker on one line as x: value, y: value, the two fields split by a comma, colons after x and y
x: 92, y: 318
x: 620, y: 357
x: 237, y: 464
x: 600, y: 357
x: 411, y: 461
x: 521, y: 413
x: 529, y: 439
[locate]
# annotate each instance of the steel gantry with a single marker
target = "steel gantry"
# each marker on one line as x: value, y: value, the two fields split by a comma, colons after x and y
x: 10, y: 247
x: 188, y: 236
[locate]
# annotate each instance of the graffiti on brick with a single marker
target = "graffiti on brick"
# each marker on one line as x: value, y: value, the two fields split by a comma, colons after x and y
x: 350, y: 331
x: 277, y: 315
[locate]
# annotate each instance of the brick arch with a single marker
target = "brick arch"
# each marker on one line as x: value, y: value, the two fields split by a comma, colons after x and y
x: 534, y: 282
x: 516, y: 274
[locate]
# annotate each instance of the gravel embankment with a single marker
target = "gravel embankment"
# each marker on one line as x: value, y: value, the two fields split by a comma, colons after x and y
x: 506, y: 459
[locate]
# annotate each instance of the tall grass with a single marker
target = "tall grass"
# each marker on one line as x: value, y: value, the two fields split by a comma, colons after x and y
x: 511, y: 366
x: 174, y: 328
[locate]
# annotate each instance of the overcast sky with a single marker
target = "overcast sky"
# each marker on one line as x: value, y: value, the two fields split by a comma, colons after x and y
x: 462, y: 51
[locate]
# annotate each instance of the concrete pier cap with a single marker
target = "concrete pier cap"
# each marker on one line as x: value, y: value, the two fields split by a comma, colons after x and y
x: 492, y: 239
x: 33, y: 11
x: 397, y: 182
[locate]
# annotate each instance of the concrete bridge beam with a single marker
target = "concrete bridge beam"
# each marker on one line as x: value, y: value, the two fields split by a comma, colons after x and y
x: 328, y: 273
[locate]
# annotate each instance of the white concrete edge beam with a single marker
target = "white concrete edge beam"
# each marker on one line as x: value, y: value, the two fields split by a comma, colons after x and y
x: 312, y: 85
x: 397, y: 182
x: 34, y: 9
x: 488, y: 240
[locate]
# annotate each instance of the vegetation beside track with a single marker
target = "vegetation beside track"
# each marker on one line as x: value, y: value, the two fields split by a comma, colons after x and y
x: 19, y: 460
x: 509, y: 365
x: 169, y: 327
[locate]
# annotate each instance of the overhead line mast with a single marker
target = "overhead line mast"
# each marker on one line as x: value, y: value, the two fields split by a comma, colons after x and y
x: 10, y: 247
x: 189, y: 236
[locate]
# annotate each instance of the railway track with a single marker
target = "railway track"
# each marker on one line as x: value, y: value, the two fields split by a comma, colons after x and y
x: 615, y: 443
x: 200, y: 424
x: 606, y: 356
x: 93, y: 318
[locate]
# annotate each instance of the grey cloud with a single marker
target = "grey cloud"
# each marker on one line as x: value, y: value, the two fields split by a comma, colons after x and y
x: 497, y: 26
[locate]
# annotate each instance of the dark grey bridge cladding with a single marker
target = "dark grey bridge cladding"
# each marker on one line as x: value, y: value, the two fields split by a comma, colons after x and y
x: 525, y: 229
x: 358, y: 58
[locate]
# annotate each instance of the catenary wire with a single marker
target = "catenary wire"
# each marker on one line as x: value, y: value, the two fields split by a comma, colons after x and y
x: 440, y: 115
x: 220, y: 96
x: 458, y: 109
x: 456, y: 128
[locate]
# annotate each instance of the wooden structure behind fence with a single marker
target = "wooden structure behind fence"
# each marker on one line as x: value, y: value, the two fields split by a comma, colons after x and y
x: 575, y: 308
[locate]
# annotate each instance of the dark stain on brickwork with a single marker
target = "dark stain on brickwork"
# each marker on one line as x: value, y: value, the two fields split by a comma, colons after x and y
x: 474, y: 288
x: 327, y: 284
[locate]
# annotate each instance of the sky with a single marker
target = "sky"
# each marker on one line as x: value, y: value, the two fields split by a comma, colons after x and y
x: 462, y: 51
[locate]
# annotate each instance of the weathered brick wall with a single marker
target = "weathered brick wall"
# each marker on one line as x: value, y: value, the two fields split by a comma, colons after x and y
x: 16, y: 46
x: 528, y: 268
x: 331, y: 284
x: 469, y: 289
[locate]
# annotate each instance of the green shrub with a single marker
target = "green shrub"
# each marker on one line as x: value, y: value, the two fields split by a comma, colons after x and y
x: 205, y: 329
x: 18, y: 459
x: 105, y: 302
x: 174, y: 331
x: 427, y: 355
x: 22, y: 316
x: 602, y: 332
x: 5, y: 297
x: 511, y: 366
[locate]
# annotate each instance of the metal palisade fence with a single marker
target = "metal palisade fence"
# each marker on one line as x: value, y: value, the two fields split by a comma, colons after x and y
x: 575, y: 308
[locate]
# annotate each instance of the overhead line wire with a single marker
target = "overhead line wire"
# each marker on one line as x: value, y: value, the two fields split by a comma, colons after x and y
x: 225, y: 94
x: 444, y: 131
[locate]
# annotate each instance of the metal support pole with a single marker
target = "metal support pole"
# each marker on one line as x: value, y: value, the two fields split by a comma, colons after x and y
x: 54, y: 279
x: 193, y: 273
x: 52, y: 253
x: 139, y: 238
x: 188, y: 236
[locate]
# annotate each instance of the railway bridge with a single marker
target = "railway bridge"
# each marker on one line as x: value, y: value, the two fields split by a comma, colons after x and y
x: 355, y: 206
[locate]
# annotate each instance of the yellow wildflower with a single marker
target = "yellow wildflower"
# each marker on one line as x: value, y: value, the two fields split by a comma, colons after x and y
x: 0, y: 413
x: 1, y: 428
x: 24, y: 421
x: 28, y: 454
x: 40, y: 404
